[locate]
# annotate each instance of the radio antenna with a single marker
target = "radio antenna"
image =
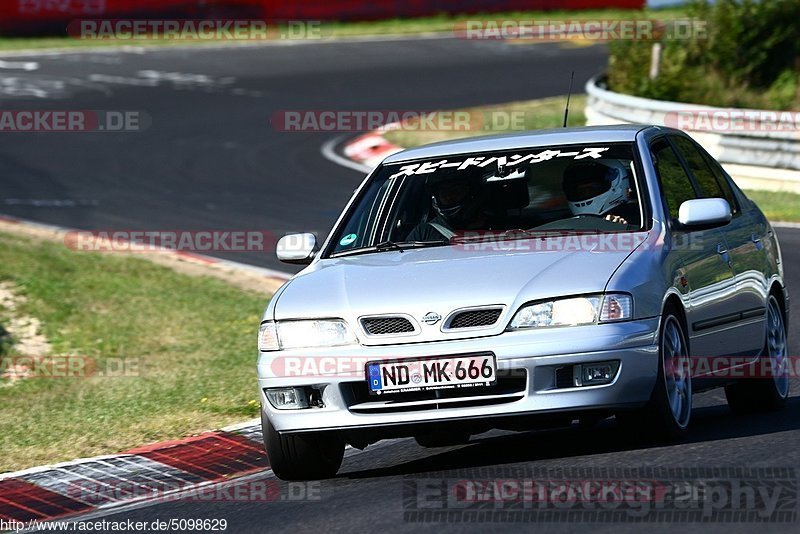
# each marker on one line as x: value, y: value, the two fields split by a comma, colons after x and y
x: 569, y: 94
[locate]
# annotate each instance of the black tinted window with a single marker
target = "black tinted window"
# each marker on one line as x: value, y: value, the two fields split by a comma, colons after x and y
x: 676, y: 186
x: 727, y: 190
x: 702, y: 172
x: 712, y: 184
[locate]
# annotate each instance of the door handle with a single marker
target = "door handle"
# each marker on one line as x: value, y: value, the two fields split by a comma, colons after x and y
x: 723, y: 252
x: 754, y: 238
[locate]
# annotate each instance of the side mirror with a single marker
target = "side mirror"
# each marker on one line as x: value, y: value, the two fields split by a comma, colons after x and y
x: 704, y: 212
x: 298, y: 249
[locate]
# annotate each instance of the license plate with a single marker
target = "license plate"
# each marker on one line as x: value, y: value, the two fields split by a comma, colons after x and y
x: 445, y: 372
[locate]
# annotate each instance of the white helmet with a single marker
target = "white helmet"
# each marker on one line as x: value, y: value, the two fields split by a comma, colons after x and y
x: 596, y: 187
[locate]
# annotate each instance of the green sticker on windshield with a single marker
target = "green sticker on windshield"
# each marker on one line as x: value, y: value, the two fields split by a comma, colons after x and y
x: 348, y: 240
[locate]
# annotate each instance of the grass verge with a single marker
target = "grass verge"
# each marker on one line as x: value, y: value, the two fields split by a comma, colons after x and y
x: 777, y: 206
x: 549, y: 113
x: 443, y: 23
x: 504, y: 118
x: 172, y: 354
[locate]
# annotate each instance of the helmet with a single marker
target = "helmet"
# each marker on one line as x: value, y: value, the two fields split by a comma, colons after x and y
x: 454, y: 200
x: 596, y: 187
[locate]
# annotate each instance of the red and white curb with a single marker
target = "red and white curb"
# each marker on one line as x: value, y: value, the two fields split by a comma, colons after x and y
x: 370, y: 149
x: 362, y: 153
x: 142, y: 474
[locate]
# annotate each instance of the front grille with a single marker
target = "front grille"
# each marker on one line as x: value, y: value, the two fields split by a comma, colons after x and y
x: 385, y: 326
x: 475, y: 318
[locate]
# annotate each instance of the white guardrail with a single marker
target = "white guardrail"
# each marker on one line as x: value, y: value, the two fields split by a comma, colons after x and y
x: 759, y: 148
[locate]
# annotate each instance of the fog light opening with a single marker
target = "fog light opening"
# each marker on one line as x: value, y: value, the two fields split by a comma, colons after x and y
x: 314, y: 395
x: 287, y: 398
x: 595, y: 374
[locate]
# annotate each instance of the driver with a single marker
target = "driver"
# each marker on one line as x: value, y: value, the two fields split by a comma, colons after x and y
x: 456, y: 204
x: 600, y: 188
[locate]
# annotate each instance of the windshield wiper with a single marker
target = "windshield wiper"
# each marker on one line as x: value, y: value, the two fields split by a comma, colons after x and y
x: 384, y: 246
x: 388, y: 245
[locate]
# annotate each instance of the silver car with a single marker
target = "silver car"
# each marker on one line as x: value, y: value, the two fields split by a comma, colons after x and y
x: 520, y: 281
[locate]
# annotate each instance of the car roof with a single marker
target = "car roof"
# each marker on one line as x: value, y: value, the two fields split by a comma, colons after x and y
x: 561, y: 136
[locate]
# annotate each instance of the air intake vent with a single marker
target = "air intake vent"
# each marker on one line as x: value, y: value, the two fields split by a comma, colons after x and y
x: 475, y: 318
x: 565, y: 377
x: 386, y: 326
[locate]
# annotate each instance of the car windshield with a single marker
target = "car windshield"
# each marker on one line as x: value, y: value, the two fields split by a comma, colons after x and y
x: 494, y: 195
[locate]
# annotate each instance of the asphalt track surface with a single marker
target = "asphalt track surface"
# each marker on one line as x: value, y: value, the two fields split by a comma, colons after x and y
x: 211, y: 160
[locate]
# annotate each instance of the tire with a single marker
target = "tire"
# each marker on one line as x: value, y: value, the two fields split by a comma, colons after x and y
x: 767, y: 393
x: 442, y: 439
x: 669, y: 411
x: 303, y: 456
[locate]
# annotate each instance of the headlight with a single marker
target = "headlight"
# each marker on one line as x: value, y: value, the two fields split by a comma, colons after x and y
x: 304, y: 334
x: 575, y: 311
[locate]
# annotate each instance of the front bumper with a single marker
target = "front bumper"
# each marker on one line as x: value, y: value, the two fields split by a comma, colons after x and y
x: 534, y: 355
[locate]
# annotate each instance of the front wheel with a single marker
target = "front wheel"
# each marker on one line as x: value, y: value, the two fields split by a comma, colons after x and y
x: 669, y: 411
x: 768, y: 389
x: 302, y: 456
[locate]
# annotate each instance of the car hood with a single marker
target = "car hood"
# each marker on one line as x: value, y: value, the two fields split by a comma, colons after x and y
x: 443, y: 279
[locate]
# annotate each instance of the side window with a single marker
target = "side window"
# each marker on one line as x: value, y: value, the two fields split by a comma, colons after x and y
x: 727, y: 190
x: 676, y: 187
x: 712, y: 184
x: 411, y: 205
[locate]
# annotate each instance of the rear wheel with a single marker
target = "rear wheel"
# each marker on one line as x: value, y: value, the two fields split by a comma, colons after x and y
x: 768, y: 389
x: 302, y: 456
x: 669, y: 411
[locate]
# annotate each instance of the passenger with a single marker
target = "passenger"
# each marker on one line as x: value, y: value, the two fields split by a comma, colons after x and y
x: 602, y: 189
